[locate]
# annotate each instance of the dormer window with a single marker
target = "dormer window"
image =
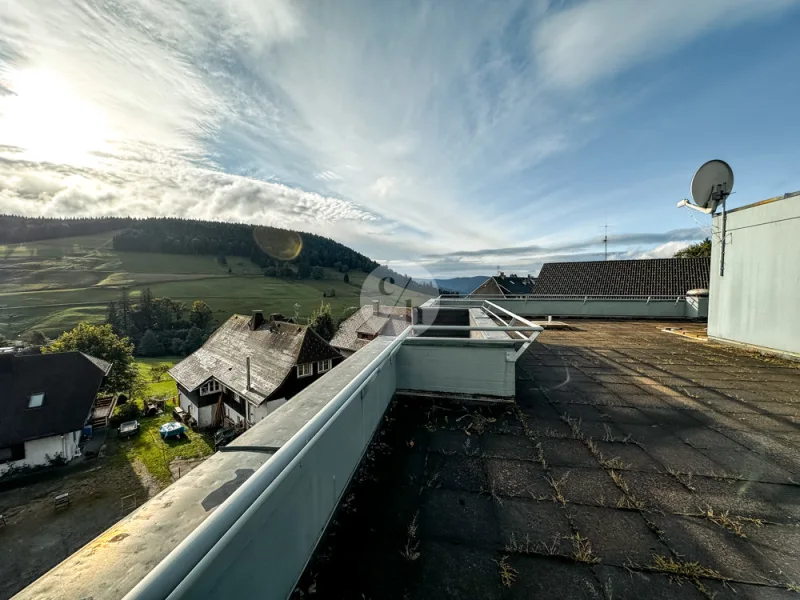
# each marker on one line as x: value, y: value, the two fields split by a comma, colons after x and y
x: 305, y: 370
x: 210, y: 387
x: 36, y: 400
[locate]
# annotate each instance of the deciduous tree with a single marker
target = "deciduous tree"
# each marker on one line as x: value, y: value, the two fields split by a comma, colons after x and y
x: 101, y: 342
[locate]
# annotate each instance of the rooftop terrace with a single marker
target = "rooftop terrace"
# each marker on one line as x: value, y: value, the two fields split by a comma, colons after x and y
x: 609, y: 460
x: 634, y: 464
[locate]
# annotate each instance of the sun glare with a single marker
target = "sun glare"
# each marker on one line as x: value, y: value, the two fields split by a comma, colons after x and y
x: 47, y: 119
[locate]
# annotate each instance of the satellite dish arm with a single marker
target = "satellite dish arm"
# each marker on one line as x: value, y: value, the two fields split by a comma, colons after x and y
x: 688, y: 204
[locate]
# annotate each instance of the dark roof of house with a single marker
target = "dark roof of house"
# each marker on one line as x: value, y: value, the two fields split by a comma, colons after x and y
x: 274, y: 350
x: 508, y: 284
x: 69, y: 381
x: 512, y: 284
x: 391, y: 320
x: 646, y: 277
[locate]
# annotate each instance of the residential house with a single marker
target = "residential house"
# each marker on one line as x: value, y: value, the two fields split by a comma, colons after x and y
x: 45, y: 402
x: 248, y: 368
x: 369, y: 322
x: 645, y: 277
x: 503, y: 285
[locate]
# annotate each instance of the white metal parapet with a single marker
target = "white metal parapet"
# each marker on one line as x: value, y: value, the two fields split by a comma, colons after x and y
x: 587, y: 306
x: 257, y: 542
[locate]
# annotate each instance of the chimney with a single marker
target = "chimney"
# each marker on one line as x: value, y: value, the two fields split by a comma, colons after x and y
x: 257, y: 320
x: 502, y: 274
x: 376, y: 307
x: 409, y: 311
x: 247, y: 362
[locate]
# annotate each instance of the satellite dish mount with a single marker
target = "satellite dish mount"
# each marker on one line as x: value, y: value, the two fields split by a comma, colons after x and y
x: 711, y: 186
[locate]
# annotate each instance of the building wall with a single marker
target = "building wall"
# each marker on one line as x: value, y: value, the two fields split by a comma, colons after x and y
x: 756, y: 301
x: 38, y: 452
x: 233, y: 414
x: 204, y: 415
x: 259, y: 412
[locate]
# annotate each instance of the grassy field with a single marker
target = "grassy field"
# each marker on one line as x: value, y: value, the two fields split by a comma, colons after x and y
x: 148, y: 447
x: 51, y: 285
x: 156, y: 454
x: 165, y: 387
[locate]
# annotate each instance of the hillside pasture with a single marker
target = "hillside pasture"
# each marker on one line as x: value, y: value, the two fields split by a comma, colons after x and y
x: 51, y: 285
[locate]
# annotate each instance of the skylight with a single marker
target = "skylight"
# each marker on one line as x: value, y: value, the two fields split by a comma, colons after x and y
x: 36, y: 400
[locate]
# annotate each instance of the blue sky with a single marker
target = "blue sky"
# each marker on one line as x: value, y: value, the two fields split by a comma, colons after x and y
x: 460, y: 136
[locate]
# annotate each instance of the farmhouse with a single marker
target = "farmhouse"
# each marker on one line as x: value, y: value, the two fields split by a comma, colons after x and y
x: 367, y: 323
x: 248, y: 368
x: 505, y: 285
x: 46, y: 401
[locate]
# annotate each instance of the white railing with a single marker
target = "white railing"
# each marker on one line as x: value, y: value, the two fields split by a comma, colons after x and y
x: 194, y: 566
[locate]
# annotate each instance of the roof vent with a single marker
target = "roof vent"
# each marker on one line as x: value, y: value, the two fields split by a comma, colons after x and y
x: 376, y: 307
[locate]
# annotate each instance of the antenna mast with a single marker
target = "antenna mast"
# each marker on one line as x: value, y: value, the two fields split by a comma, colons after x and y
x: 605, y: 243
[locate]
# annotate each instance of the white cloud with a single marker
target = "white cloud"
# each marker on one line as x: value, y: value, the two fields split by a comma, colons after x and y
x: 148, y: 188
x: 425, y: 129
x: 666, y: 250
x: 595, y: 39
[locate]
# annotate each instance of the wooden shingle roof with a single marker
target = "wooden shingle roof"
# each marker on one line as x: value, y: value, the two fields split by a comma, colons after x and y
x: 273, y: 350
x: 646, y: 277
x: 391, y: 320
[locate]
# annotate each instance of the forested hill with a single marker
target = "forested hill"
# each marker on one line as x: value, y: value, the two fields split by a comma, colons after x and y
x: 266, y: 246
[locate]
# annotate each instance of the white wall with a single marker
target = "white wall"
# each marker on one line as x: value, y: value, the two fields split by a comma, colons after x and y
x: 259, y: 412
x: 462, y: 367
x: 756, y: 301
x: 204, y: 415
x: 38, y: 451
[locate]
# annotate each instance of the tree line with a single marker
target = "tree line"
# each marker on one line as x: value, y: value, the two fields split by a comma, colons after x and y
x: 265, y: 246
x: 268, y: 247
x: 159, y: 326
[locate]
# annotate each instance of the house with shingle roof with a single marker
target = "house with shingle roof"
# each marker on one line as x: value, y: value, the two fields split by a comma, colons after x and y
x: 367, y: 323
x: 645, y: 277
x: 45, y: 402
x: 248, y: 368
x: 505, y: 285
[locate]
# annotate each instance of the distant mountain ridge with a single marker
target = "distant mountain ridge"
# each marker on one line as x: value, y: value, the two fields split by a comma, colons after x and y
x: 462, y: 285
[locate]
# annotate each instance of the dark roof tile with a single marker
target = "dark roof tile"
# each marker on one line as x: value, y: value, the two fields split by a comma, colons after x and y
x: 69, y: 381
x: 647, y: 277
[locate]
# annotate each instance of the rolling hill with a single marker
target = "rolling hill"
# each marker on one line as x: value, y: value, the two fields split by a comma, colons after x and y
x: 51, y: 284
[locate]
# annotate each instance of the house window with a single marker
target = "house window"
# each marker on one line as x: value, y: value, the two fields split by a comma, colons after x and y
x: 36, y: 400
x: 305, y: 370
x: 324, y: 365
x: 210, y: 387
x: 15, y: 452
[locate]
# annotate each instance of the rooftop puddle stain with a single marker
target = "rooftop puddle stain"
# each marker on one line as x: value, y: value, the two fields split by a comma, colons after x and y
x: 223, y: 492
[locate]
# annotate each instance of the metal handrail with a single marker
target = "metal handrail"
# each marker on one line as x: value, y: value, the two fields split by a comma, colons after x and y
x: 469, y: 298
x: 177, y: 568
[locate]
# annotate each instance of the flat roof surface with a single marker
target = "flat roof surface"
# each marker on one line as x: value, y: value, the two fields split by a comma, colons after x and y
x: 635, y: 464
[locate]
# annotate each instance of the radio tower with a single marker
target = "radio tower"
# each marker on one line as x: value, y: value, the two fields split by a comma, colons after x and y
x: 605, y: 242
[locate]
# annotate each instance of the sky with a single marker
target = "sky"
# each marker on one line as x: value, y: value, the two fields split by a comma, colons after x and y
x: 460, y: 137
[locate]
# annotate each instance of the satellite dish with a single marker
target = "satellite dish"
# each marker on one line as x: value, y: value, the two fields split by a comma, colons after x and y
x: 712, y: 183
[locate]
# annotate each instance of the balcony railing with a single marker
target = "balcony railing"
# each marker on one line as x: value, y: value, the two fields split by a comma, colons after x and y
x: 299, y: 460
x: 588, y: 306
